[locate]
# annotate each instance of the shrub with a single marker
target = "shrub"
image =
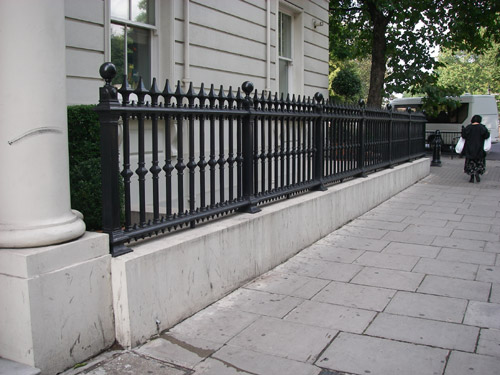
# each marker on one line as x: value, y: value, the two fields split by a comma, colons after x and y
x: 85, y: 164
x: 347, y: 84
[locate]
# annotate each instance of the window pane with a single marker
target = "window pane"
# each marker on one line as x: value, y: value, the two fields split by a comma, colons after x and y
x: 143, y: 11
x: 138, y: 56
x: 283, y: 76
x: 285, y: 35
x: 119, y: 8
x: 117, y: 51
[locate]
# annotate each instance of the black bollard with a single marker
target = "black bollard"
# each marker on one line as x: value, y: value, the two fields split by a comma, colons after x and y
x: 436, y: 151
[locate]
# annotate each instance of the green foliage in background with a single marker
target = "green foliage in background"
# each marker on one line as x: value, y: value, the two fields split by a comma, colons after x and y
x: 85, y: 164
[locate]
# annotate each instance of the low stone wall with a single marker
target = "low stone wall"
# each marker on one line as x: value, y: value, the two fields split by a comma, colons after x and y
x: 167, y: 279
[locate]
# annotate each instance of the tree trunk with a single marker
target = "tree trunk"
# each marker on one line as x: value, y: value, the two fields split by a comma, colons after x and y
x: 379, y: 59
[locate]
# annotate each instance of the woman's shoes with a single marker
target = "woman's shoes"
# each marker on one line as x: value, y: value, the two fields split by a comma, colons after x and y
x: 478, y: 179
x: 471, y: 178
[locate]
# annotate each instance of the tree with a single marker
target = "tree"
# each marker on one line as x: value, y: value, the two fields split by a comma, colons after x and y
x: 400, y: 36
x: 469, y: 72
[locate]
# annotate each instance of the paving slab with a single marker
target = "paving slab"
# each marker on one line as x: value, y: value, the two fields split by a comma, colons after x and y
x: 461, y: 363
x: 363, y: 232
x: 342, y: 318
x: 279, y: 337
x: 387, y: 260
x: 424, y: 331
x: 288, y: 284
x: 485, y: 211
x: 186, y: 353
x: 445, y: 208
x: 474, y: 235
x: 382, y: 209
x: 428, y: 306
x: 483, y: 314
x: 492, y: 247
x: 489, y: 273
x: 449, y: 287
x: 302, y: 266
x: 331, y: 253
x: 391, y: 279
x: 378, y: 224
x: 495, y: 293
x: 447, y: 268
x: 489, y: 342
x: 130, y: 363
x: 213, y: 366
x: 481, y: 220
x: 467, y: 256
x: 262, y: 364
x: 426, y: 221
x: 8, y: 367
x: 441, y: 216
x: 340, y: 272
x: 382, y: 216
x: 214, y: 324
x: 428, y: 230
x: 408, y: 237
x: 469, y: 226
x: 258, y: 302
x: 359, y: 354
x: 412, y: 250
x: 358, y: 296
x: 459, y: 243
x: 354, y: 242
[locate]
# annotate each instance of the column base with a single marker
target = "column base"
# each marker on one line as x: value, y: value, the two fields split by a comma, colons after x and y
x: 65, y: 229
x: 57, y: 307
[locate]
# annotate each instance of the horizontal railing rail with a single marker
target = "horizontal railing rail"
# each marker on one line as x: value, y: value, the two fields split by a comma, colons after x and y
x: 172, y: 159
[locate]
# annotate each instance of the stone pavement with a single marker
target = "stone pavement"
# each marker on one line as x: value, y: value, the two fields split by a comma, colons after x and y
x: 410, y: 287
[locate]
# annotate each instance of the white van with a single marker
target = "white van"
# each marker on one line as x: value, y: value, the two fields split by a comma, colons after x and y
x: 450, y: 123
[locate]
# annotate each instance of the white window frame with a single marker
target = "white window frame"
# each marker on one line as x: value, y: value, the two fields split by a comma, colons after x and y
x: 153, y: 29
x: 296, y: 62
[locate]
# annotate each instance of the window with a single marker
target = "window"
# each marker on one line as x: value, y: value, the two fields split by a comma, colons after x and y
x: 284, y: 51
x: 132, y: 22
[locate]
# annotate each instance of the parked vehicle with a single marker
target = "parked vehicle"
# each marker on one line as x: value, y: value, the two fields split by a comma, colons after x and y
x: 450, y: 122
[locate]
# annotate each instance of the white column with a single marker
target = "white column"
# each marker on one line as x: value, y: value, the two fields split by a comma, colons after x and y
x: 34, y: 176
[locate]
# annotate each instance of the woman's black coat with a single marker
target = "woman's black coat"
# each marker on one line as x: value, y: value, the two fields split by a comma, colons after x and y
x: 474, y: 135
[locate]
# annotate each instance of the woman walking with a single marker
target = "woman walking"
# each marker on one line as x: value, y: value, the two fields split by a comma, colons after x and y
x: 475, y: 135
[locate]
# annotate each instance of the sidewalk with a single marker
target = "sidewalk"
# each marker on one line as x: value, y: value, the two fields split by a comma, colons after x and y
x: 411, y: 287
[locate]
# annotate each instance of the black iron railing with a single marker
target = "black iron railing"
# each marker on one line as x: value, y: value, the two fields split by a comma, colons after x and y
x: 172, y: 159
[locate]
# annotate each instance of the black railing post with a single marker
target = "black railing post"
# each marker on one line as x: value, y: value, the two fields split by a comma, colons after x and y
x: 319, y: 139
x: 110, y: 173
x: 362, y: 141
x: 409, y: 132
x: 248, y: 150
x: 436, y: 152
x: 389, y: 108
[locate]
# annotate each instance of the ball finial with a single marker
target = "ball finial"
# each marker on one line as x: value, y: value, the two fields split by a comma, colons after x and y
x: 318, y: 97
x: 107, y: 71
x: 247, y: 87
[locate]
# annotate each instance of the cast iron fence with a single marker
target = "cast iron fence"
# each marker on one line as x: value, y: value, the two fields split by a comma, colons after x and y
x: 201, y: 155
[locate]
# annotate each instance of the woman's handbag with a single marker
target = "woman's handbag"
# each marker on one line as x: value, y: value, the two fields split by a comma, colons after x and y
x: 487, y: 144
x: 460, y: 145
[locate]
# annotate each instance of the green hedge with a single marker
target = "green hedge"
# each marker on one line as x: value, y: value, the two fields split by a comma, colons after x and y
x: 85, y: 164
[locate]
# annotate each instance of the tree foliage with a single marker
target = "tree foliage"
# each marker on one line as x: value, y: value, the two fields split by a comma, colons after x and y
x: 470, y: 72
x: 400, y: 36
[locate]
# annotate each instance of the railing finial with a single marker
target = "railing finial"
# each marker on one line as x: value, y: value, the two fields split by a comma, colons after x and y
x: 107, y: 72
x: 247, y: 87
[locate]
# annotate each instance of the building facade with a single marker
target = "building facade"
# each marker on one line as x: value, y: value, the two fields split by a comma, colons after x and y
x: 281, y: 46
